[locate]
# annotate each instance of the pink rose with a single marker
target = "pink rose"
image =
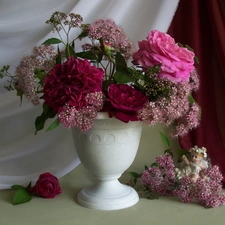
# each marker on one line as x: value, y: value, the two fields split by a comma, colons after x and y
x: 176, y: 62
x: 47, y: 186
x: 125, y: 101
x: 70, y: 82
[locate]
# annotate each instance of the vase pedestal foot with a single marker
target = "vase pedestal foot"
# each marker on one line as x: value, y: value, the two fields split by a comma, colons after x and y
x: 110, y: 195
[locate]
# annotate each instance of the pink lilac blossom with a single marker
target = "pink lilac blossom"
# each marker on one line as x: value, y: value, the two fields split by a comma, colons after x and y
x: 207, y: 190
x: 159, y: 178
x: 166, y: 111
x: 82, y: 118
x: 43, y: 58
x: 187, y: 122
x: 185, y: 190
x: 175, y: 111
x: 194, y: 80
x: 59, y: 19
x: 108, y: 31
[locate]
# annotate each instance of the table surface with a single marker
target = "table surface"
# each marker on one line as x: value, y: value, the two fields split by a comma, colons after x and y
x: 64, y: 210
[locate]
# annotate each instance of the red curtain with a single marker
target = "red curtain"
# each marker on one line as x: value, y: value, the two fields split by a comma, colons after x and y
x: 201, y: 25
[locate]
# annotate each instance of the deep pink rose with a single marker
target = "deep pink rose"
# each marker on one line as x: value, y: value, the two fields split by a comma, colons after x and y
x: 160, y: 48
x: 47, y: 186
x: 70, y: 82
x: 125, y: 102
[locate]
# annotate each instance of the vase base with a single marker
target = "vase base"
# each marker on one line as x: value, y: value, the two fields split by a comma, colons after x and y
x: 119, y: 196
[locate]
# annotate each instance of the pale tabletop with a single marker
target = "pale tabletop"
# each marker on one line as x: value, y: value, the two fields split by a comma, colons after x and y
x: 64, y: 210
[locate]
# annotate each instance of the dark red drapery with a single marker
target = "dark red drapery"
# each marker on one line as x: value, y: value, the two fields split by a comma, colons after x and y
x: 201, y: 25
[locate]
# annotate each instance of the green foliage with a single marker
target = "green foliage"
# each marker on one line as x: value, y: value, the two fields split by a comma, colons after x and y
x: 88, y: 55
x: 22, y: 194
x: 135, y: 176
x: 155, y: 164
x: 165, y: 139
x: 69, y: 51
x: 191, y: 99
x: 122, y: 74
x: 53, y: 125
x: 58, y: 57
x: 47, y: 113
x: 52, y: 41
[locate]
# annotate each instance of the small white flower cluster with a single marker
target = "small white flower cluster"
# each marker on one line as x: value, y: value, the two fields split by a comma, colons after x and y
x: 199, y: 150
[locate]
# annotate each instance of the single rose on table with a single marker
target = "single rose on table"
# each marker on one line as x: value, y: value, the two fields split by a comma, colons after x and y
x: 47, y: 186
x: 176, y: 62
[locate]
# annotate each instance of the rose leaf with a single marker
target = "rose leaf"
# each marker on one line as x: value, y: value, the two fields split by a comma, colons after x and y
x: 165, y: 139
x: 52, y: 41
x: 21, y: 196
x: 53, y: 125
x: 122, y: 78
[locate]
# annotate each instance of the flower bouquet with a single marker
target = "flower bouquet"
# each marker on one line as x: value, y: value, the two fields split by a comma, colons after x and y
x: 152, y: 84
x: 98, y: 71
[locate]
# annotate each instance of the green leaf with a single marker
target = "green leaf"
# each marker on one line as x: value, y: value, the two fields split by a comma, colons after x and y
x: 135, y: 181
x: 155, y: 164
x: 40, y: 122
x: 48, y: 111
x: 21, y: 196
x: 87, y: 55
x: 53, y: 125
x: 170, y: 188
x: 121, y: 65
x: 191, y: 99
x: 52, y: 41
x: 122, y: 78
x: 165, y: 139
x: 70, y: 51
x: 135, y: 175
x: 82, y: 34
x: 169, y: 151
x: 58, y: 57
x: 17, y: 187
x: 19, y: 93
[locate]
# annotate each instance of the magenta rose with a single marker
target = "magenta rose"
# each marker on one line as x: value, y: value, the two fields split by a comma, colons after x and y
x: 70, y: 82
x: 176, y: 62
x: 125, y: 101
x: 47, y: 186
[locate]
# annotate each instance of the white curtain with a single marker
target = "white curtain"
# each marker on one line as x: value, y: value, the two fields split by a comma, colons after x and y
x: 24, y: 156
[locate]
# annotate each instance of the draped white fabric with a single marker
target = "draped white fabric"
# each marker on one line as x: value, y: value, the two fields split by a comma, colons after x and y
x: 23, y: 156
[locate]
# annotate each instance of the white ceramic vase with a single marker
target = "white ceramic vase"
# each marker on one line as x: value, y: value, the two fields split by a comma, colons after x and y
x: 107, y: 150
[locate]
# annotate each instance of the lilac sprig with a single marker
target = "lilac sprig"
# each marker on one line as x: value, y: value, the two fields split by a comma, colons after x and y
x: 162, y: 179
